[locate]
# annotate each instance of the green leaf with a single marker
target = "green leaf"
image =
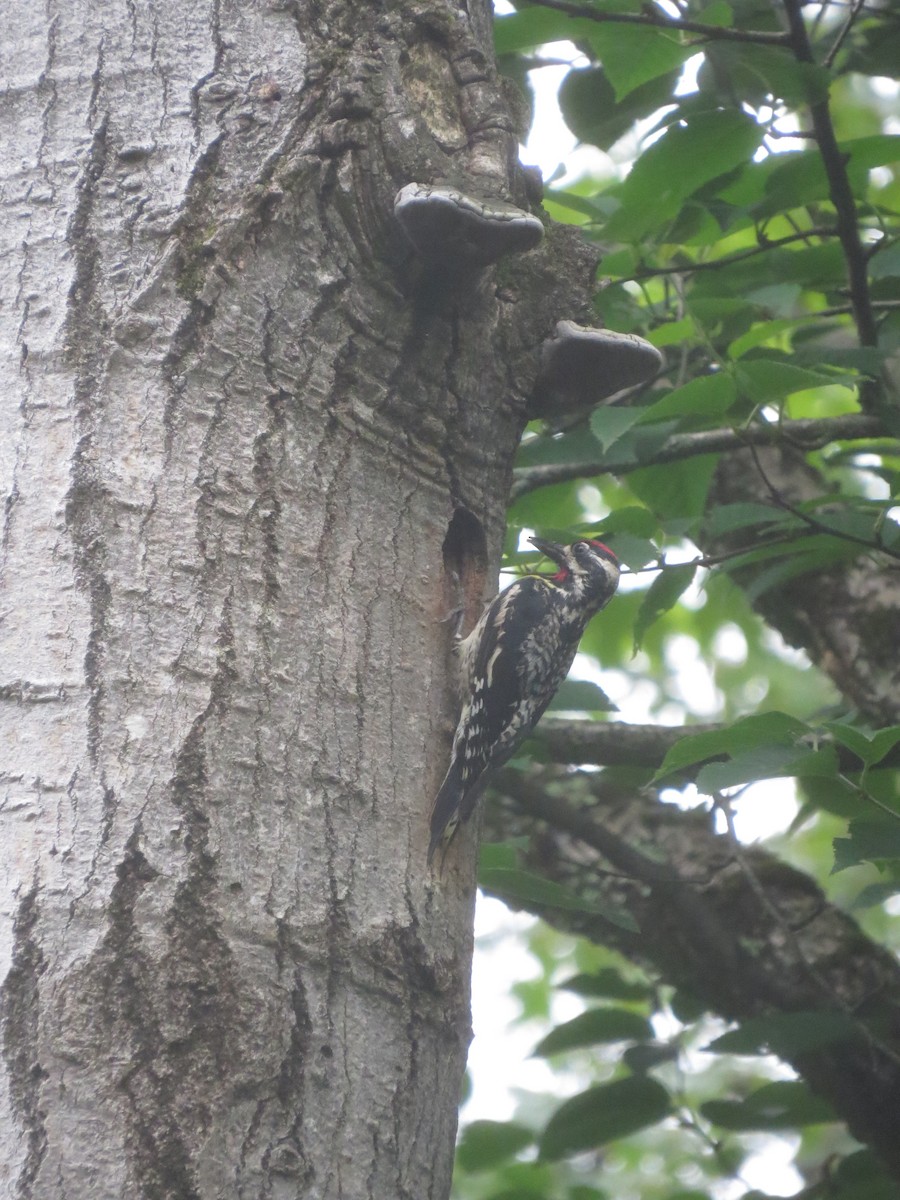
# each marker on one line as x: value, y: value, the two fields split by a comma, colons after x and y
x: 867, y: 360
x: 663, y: 594
x: 624, y: 261
x: 861, y: 1176
x: 589, y: 105
x: 608, y: 424
x: 575, y: 446
x: 886, y: 264
x: 533, y: 890
x: 787, y: 1034
x: 819, y: 763
x: 785, y: 1104
x: 874, y: 894
x: 644, y: 1056
x: 869, y: 749
x: 604, y: 1113
x: 869, y: 841
x: 684, y: 158
x: 854, y: 739
x: 677, y: 489
x: 633, y: 551
x: 607, y: 982
x: 633, y: 55
x: 724, y: 294
x: 498, y: 854
x: 631, y: 518
x: 557, y: 199
x: 876, y: 48
x: 883, y: 743
x: 764, y: 380
x: 762, y: 72
x: 580, y: 695
x: 595, y: 1026
x: 816, y: 555
x: 764, y: 762
x: 798, y: 179
x: 727, y: 518
x: 718, y: 13
x: 534, y: 27
x: 557, y: 505
x: 672, y: 333
x: 763, y: 332
x: 484, y: 1144
x: 707, y: 396
x: 747, y: 734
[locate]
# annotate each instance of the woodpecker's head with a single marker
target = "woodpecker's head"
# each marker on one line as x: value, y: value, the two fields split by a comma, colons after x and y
x: 587, y: 569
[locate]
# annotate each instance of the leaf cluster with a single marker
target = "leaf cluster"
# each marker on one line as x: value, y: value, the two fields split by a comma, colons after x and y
x: 748, y: 224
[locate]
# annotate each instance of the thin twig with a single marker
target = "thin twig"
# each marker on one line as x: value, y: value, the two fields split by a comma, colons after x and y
x: 709, y: 560
x: 844, y: 310
x: 774, y: 913
x: 868, y: 797
x: 813, y: 523
x: 809, y: 434
x: 845, y: 29
x: 840, y: 191
x: 790, y: 133
x: 655, y: 19
x: 530, y: 796
x: 716, y: 263
x: 715, y: 560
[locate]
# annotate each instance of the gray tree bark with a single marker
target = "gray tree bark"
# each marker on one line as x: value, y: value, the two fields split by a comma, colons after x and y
x: 239, y: 416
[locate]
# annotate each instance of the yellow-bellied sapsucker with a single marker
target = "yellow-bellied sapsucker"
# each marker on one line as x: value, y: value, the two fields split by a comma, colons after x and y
x: 511, y: 665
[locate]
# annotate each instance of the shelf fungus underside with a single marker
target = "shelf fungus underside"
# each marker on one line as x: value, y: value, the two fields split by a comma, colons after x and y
x: 445, y: 224
x: 581, y: 367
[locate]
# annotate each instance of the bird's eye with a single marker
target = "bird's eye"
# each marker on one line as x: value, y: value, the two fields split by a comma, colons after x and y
x: 580, y: 546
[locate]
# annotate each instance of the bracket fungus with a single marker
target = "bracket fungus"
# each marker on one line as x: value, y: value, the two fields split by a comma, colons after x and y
x: 448, y: 227
x: 581, y: 367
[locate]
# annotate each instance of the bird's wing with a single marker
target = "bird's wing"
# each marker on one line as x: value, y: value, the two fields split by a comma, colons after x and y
x: 498, y: 682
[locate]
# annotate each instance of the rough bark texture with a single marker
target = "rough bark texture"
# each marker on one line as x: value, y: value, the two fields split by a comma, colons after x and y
x: 742, y: 932
x: 615, y: 744
x: 845, y: 618
x: 239, y: 420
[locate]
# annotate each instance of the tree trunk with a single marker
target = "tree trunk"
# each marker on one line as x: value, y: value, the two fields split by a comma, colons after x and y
x: 241, y: 417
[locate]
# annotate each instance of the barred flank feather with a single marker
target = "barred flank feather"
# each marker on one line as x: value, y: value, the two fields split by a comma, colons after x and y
x: 512, y: 662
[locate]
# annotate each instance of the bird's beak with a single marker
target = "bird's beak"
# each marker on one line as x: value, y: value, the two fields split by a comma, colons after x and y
x: 551, y: 549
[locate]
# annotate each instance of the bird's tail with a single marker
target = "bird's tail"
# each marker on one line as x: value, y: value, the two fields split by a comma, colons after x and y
x: 445, y: 812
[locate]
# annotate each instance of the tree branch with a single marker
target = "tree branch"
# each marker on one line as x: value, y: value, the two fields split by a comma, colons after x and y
x: 811, y: 522
x: 841, y: 614
x: 619, y: 744
x: 714, y: 264
x: 655, y: 19
x: 835, y: 162
x: 847, y: 309
x: 612, y: 743
x: 807, y: 434
x: 845, y: 29
x: 703, y: 927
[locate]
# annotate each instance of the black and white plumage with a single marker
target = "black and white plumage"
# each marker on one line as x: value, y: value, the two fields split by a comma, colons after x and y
x: 511, y: 665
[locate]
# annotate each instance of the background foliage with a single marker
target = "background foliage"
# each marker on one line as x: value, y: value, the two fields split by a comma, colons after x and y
x: 755, y: 242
